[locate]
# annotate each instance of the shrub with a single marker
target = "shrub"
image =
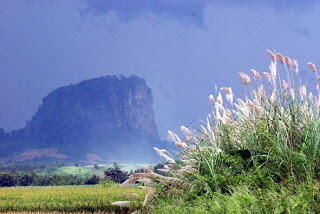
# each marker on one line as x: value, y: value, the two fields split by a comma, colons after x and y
x: 7, y: 180
x: 94, y: 179
x: 116, y: 174
x: 278, y: 133
x: 107, y: 183
x: 267, y: 138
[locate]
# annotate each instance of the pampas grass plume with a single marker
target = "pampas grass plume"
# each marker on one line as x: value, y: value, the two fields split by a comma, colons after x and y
x: 271, y: 54
x: 211, y: 98
x: 244, y: 78
x: 185, y: 131
x: 122, y: 203
x: 312, y: 67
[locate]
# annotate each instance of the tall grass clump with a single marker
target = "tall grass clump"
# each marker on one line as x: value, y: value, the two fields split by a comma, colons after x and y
x: 267, y: 138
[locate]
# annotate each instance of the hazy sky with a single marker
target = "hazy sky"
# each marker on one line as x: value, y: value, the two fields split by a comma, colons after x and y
x: 181, y: 47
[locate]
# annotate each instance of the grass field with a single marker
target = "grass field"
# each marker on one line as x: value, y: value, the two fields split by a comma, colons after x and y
x: 68, y: 199
x: 89, y: 170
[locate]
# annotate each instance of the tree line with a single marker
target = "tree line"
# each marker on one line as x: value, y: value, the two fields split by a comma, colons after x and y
x: 26, y: 178
x: 8, y: 179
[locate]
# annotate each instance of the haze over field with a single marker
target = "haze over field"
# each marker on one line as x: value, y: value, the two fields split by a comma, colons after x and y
x: 182, y: 48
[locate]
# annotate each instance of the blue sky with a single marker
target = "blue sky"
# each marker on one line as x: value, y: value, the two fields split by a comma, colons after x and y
x: 181, y: 47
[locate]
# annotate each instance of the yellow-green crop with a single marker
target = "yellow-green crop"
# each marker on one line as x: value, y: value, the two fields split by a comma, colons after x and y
x: 68, y: 199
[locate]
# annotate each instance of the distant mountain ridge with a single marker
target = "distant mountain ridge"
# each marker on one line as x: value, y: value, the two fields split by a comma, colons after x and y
x: 110, y: 117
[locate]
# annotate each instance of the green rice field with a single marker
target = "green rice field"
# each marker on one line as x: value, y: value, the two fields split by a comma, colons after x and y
x: 76, y: 199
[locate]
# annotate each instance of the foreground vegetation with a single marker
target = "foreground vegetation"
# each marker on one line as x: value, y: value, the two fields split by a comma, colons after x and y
x: 304, y: 198
x: 69, y: 199
x: 256, y: 154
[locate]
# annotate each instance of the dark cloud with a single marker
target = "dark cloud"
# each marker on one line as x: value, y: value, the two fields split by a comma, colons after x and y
x: 189, y: 11
x: 302, y: 31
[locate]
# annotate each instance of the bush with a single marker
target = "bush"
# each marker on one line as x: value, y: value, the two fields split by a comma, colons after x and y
x: 107, y: 183
x: 267, y: 140
x: 116, y: 174
x: 7, y: 180
x: 93, y: 180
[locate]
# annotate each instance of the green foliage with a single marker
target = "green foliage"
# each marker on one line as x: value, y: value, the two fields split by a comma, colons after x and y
x: 304, y: 198
x: 93, y: 180
x: 107, y: 183
x: 116, y: 174
x: 20, y: 179
x: 7, y: 180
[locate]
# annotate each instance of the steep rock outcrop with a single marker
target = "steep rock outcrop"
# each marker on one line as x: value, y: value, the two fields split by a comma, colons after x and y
x: 110, y: 116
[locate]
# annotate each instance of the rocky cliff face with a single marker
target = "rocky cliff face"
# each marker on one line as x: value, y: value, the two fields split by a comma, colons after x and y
x: 110, y: 117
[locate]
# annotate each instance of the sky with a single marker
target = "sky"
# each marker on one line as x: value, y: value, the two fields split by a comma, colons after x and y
x: 183, y: 48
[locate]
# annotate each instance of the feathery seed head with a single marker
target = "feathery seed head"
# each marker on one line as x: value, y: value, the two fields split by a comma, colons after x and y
x: 211, y: 98
x: 163, y: 154
x: 226, y: 90
x: 163, y: 170
x: 288, y: 61
x: 296, y: 66
x: 318, y: 80
x: 261, y: 92
x: 184, y: 146
x: 255, y: 95
x: 147, y: 170
x: 185, y: 131
x: 271, y: 54
x: 229, y: 94
x: 148, y: 197
x: 166, y: 167
x: 244, y: 78
x: 219, y: 99
x: 122, y: 203
x: 229, y: 97
x: 187, y: 138
x: 312, y: 67
x: 273, y: 71
x: 303, y: 92
x: 178, y: 144
x: 284, y: 85
x: 294, y: 63
x: 316, y: 101
x: 229, y: 113
x: 292, y: 94
x: 171, y: 136
x: 255, y: 108
x: 280, y: 57
x: 273, y: 96
x: 255, y: 74
x: 146, y: 181
x: 177, y: 138
x: 251, y: 106
x: 268, y: 76
x: 310, y: 96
